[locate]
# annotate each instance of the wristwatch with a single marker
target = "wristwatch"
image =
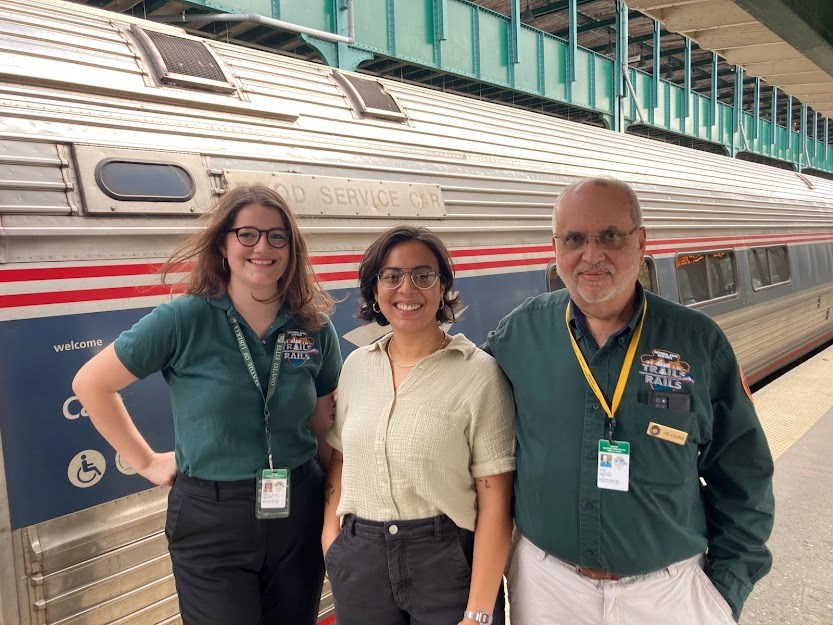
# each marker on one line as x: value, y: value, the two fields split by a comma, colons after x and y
x: 479, y: 617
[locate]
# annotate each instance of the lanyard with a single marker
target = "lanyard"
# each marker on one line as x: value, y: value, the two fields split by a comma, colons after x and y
x: 623, y: 373
x: 273, y: 377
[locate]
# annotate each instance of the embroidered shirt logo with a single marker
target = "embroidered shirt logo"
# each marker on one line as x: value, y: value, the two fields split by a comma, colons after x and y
x: 663, y: 370
x: 298, y: 347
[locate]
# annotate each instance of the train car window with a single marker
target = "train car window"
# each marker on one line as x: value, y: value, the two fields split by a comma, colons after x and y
x: 554, y: 283
x: 139, y: 181
x: 648, y: 275
x: 706, y: 276
x: 769, y: 266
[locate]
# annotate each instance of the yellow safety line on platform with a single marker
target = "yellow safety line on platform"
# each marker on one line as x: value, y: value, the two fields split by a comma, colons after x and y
x: 792, y: 404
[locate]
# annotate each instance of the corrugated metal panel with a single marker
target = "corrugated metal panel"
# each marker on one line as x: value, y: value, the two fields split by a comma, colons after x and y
x: 102, y: 564
x: 34, y: 179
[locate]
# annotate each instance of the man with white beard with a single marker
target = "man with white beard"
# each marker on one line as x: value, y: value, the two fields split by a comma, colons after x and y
x: 624, y: 401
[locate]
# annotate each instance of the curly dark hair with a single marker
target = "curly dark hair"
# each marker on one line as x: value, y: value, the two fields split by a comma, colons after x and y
x: 373, y: 261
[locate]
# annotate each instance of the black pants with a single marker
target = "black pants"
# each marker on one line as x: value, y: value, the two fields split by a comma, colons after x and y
x: 231, y: 568
x: 402, y: 572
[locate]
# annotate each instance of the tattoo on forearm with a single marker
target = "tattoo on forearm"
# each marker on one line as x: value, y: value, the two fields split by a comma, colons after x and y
x: 329, y: 489
x: 484, y: 481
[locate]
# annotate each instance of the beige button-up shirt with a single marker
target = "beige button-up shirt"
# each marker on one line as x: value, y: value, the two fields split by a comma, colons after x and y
x: 414, y: 452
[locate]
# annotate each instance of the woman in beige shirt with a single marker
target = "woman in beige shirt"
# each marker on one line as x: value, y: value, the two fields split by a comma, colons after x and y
x: 417, y: 514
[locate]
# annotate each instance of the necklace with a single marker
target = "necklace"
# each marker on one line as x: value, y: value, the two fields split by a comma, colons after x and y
x: 443, y: 339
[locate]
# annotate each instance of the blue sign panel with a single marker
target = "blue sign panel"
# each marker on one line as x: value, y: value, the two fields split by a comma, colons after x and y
x: 57, y: 463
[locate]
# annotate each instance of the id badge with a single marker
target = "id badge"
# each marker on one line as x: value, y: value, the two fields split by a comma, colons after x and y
x: 272, y: 494
x: 614, y: 465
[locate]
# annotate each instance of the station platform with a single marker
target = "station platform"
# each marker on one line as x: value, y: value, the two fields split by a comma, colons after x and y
x: 796, y: 411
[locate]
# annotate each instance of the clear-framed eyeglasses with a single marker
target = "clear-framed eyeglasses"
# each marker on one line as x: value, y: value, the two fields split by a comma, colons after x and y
x: 249, y: 236
x: 422, y: 277
x: 610, y: 239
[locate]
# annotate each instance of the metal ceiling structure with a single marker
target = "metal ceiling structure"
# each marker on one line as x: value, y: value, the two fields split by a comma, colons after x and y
x: 721, y: 76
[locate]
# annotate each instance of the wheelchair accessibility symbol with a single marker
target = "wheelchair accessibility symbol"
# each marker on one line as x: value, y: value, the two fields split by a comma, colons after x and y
x: 86, y: 468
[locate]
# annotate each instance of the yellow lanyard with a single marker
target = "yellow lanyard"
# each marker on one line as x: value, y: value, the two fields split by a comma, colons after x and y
x: 623, y: 373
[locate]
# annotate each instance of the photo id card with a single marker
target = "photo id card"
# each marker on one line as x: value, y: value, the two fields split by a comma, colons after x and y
x: 272, y: 494
x: 614, y: 465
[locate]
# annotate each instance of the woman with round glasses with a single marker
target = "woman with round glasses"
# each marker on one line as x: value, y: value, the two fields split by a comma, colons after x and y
x: 417, y: 514
x: 251, y: 360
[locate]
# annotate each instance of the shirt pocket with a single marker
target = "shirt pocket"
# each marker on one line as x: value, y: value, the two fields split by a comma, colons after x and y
x: 654, y: 460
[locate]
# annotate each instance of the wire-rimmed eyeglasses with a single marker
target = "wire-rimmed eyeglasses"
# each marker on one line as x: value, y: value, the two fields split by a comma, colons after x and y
x: 249, y: 236
x: 423, y: 277
x: 610, y: 239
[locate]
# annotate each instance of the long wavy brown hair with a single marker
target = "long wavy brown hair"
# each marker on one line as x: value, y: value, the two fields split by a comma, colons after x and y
x: 297, y: 287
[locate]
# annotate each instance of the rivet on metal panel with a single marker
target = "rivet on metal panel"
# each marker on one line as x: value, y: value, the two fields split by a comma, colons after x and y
x: 113, y: 208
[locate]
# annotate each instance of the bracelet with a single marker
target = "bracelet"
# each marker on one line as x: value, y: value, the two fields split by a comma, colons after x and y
x: 478, y: 617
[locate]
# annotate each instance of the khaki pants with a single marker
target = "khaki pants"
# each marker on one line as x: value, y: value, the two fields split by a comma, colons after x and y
x: 543, y: 590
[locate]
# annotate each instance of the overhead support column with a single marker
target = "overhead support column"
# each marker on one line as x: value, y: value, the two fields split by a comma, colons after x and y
x: 773, y: 136
x: 686, y: 77
x: 440, y: 29
x: 737, y: 114
x: 655, y: 73
x: 802, y: 139
x: 756, y: 128
x: 514, y: 33
x: 714, y: 128
x: 619, y: 90
x: 789, y: 125
x: 572, y: 42
x: 814, y: 154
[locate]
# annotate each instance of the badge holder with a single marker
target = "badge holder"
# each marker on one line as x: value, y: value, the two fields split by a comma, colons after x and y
x: 272, y: 494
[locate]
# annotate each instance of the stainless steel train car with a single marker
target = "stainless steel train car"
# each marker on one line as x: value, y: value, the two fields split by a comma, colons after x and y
x: 117, y: 133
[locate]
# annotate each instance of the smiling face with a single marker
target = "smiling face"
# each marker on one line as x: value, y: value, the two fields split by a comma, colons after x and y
x: 256, y: 270
x: 597, y: 278
x: 410, y: 309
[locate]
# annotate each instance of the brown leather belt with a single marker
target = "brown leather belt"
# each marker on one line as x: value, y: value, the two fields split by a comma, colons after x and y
x: 596, y: 573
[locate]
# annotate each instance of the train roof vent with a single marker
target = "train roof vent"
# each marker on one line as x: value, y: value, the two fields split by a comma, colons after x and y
x: 370, y: 98
x: 184, y: 62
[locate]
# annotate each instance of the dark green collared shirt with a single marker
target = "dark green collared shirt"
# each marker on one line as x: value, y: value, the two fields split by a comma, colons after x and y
x: 666, y: 515
x: 217, y: 409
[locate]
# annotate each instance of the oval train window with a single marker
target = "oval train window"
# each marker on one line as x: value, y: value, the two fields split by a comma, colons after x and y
x: 144, y: 181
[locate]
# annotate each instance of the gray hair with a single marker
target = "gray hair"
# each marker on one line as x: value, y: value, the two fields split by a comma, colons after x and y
x: 605, y: 181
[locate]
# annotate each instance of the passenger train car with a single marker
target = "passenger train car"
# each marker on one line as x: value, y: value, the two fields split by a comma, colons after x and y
x: 117, y: 133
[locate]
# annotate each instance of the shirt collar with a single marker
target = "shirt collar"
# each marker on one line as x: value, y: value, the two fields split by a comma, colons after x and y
x: 223, y: 302
x: 578, y: 321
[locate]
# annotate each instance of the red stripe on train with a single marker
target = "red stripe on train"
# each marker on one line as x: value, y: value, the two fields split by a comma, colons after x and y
x: 92, y: 295
x: 85, y: 295
x: 328, y: 621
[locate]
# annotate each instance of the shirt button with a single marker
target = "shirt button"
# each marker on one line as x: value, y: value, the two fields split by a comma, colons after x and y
x: 596, y: 406
x: 588, y: 552
x: 591, y: 455
x: 393, y: 529
x: 588, y: 506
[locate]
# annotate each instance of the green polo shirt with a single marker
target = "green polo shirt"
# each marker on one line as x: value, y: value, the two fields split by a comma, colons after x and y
x: 666, y: 515
x: 217, y: 409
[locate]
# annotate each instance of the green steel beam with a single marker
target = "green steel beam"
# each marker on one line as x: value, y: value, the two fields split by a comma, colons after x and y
x: 454, y: 37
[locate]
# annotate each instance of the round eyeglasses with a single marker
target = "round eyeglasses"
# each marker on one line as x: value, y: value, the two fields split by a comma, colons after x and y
x: 422, y: 277
x: 249, y: 236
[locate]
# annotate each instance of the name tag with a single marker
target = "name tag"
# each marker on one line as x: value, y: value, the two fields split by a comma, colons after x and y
x: 678, y: 437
